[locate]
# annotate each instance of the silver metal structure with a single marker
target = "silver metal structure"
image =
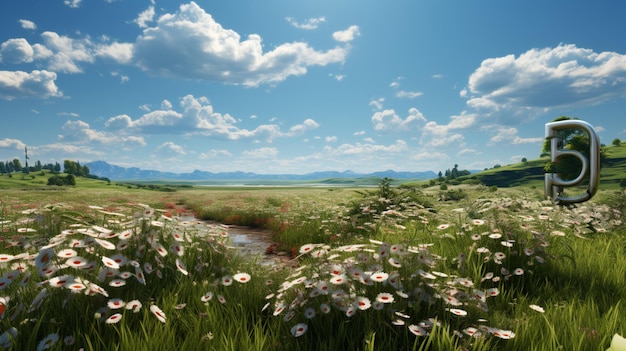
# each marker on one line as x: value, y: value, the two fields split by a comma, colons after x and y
x: 590, y: 167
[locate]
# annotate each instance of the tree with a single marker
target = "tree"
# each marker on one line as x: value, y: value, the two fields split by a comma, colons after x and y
x: 617, y: 142
x: 524, y: 160
x: 17, y: 165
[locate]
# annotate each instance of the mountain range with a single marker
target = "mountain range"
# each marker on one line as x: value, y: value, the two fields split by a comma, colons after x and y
x: 113, y: 172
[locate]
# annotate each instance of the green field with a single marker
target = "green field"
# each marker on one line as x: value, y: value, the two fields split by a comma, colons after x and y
x: 108, y: 266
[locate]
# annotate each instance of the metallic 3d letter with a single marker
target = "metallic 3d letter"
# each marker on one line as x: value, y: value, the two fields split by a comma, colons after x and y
x: 590, y: 167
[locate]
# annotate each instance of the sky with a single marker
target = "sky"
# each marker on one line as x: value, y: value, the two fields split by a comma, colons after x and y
x: 293, y: 87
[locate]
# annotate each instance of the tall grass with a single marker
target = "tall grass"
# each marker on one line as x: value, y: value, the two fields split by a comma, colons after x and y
x: 392, y: 268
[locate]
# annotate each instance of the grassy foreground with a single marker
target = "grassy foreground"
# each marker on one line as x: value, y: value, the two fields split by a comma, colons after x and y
x: 112, y: 268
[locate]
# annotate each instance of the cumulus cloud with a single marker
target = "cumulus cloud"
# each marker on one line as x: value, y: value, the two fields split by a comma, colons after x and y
x: 39, y: 84
x: 67, y: 53
x: 547, y: 78
x: 118, y: 52
x: 7, y: 143
x: 309, y: 24
x: 26, y: 24
x: 409, y: 94
x: 19, y: 50
x: 347, y: 35
x: 462, y: 121
x: 80, y: 132
x: 169, y: 149
x: 198, y: 118
x: 388, y: 120
x: 72, y: 3
x: 145, y: 17
x: 211, y: 154
x: 510, y: 135
x: 191, y: 44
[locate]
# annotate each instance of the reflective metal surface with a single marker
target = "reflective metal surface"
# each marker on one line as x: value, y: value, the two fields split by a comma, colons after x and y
x: 554, y: 185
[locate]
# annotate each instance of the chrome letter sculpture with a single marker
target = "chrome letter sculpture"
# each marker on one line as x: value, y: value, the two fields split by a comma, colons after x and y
x: 590, y: 167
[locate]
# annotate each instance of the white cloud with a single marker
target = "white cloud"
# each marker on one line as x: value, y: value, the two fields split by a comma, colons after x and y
x: 378, y: 103
x: 72, y: 3
x: 429, y: 155
x: 80, y: 132
x: 400, y: 146
x: 360, y: 132
x: 462, y: 121
x: 26, y: 24
x: 347, y: 35
x: 261, y: 153
x: 15, y: 51
x: 67, y: 53
x: 409, y: 94
x: 169, y: 149
x: 118, y: 52
x: 190, y: 44
x: 510, y: 135
x: 198, y: 118
x: 330, y: 139
x: 145, y: 17
x: 38, y: 84
x: 309, y: 24
x: 211, y: 154
x: 542, y: 79
x: 7, y: 143
x: 388, y: 120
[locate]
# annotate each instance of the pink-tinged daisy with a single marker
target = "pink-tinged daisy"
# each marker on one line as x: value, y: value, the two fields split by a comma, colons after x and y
x: 529, y: 251
x: 44, y: 258
x: 141, y: 278
x: 338, y: 294
x: 76, y: 262
x: 280, y: 307
x: 483, y: 249
x: 492, y: 292
x: 457, y: 312
x: 4, y: 258
x: 471, y: 331
x: 324, y: 308
x: 395, y: 248
x: 478, y: 222
x: 4, y: 282
x: 322, y: 287
x: 114, y: 318
x: 384, y: 297
x: 207, y: 297
x: 417, y: 330
x: 116, y: 303
x: 537, y: 308
x: 242, y: 277
x: 134, y: 305
x: 394, y: 262
x: 147, y: 267
x: 356, y: 273
x: 11, y: 275
x: 426, y: 275
x: 476, y: 237
x: 66, y: 253
x: 379, y: 276
x: 443, y: 226
x: 180, y: 306
x: 76, y: 286
x: 221, y: 299
x: 122, y: 245
x: 518, y: 271
x: 397, y: 322
x: 362, y: 303
x: 119, y: 259
x: 181, y: 266
x: 506, y: 243
x: 157, y: 224
x: 227, y: 280
x: 495, y: 235
x: 177, y: 249
x: 351, y: 311
x: 338, y: 280
x: 481, y: 295
x: 299, y: 329
x: 110, y: 263
x: 377, y: 305
x: 158, y: 313
x: 402, y: 294
x: 499, y: 256
x: 69, y: 340
x: 309, y: 313
x: 48, y: 342
x: 179, y: 237
x: 105, y: 244
x: 502, y: 334
x: 116, y: 283
x: 307, y: 248
x: 125, y: 275
x: 47, y: 271
x: 26, y: 230
x: 539, y: 259
x: 60, y: 281
x: 160, y: 249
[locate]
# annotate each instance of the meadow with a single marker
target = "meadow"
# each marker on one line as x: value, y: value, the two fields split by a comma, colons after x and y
x: 107, y: 267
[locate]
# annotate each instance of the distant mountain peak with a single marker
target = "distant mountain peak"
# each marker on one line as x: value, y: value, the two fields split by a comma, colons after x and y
x: 113, y: 172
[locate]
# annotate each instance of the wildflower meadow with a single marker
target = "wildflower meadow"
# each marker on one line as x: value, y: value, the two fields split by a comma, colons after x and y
x: 388, y: 268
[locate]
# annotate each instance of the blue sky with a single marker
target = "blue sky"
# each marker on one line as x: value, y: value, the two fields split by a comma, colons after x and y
x: 282, y: 86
